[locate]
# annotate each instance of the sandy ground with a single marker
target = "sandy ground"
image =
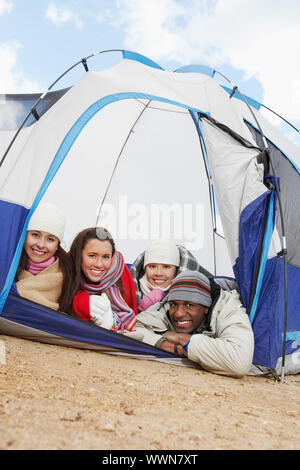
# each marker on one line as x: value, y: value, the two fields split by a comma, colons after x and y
x: 53, y: 397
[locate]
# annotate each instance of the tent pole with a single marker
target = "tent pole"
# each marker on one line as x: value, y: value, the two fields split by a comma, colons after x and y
x: 118, y: 159
x: 278, y: 115
x: 82, y: 61
x: 210, y: 186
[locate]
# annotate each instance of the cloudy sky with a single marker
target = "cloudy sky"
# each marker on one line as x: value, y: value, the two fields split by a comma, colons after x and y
x: 253, y: 42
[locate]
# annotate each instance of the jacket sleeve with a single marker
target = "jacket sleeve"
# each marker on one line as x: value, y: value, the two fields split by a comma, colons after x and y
x: 81, y: 305
x: 152, y: 324
x: 229, y: 350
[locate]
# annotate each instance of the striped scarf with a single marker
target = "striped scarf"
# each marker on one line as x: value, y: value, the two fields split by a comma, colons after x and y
x: 124, y: 317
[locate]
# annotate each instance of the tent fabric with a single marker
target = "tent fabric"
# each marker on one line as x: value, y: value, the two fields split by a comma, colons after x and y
x: 258, y: 241
x: 289, y: 179
x: 12, y: 328
x: 29, y: 321
x: 232, y: 165
x: 57, y: 323
x: 145, y: 151
x: 17, y: 106
x: 251, y: 237
x: 268, y: 321
x: 291, y: 150
x: 15, y: 216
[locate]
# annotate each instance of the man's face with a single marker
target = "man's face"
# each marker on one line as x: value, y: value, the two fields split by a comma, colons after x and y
x: 186, y: 316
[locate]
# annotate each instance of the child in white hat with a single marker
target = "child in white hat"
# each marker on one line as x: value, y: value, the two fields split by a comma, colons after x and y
x: 172, y: 259
x: 44, y: 268
x: 161, y: 261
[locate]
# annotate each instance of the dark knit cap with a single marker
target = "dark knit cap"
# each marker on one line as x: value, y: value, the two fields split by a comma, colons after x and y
x: 191, y: 286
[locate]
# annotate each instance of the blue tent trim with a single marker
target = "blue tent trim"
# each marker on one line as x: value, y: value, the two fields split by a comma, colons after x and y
x: 204, y: 69
x: 255, y: 104
x: 266, y: 245
x: 251, y: 233
x: 293, y: 336
x: 140, y: 58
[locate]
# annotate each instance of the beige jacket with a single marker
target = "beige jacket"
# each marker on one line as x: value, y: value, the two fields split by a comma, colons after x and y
x: 43, y: 288
x: 227, y: 349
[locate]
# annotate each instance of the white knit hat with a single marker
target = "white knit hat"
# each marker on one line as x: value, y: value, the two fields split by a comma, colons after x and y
x: 48, y: 218
x: 162, y: 252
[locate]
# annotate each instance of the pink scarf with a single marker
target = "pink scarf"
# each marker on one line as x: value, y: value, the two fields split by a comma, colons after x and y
x: 36, y: 268
x: 123, y: 314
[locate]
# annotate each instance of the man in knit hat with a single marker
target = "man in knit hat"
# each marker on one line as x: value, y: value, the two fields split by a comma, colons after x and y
x: 202, y: 322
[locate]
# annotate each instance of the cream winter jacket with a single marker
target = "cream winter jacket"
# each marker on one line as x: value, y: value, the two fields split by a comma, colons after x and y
x: 226, y: 349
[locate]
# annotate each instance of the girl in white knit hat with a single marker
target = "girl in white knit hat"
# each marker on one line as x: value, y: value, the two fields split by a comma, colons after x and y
x: 161, y: 260
x: 45, y: 268
x: 155, y: 268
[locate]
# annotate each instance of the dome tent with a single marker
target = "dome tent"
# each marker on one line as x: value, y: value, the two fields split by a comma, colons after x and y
x: 125, y: 142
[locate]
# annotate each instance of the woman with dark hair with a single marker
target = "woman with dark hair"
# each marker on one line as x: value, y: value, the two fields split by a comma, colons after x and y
x: 44, y: 271
x: 103, y: 288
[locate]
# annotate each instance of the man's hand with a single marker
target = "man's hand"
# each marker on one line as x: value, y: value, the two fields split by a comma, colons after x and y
x: 171, y: 347
x: 177, y: 338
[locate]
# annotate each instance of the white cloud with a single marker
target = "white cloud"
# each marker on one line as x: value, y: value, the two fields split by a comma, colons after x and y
x: 260, y: 37
x: 151, y: 25
x: 62, y: 15
x: 5, y: 6
x: 11, y: 79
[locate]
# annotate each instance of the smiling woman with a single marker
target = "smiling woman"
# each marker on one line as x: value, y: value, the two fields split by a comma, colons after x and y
x: 40, y: 247
x: 96, y: 259
x: 102, y: 285
x: 44, y: 269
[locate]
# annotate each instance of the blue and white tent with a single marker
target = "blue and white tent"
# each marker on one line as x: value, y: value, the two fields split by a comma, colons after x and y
x: 140, y: 149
